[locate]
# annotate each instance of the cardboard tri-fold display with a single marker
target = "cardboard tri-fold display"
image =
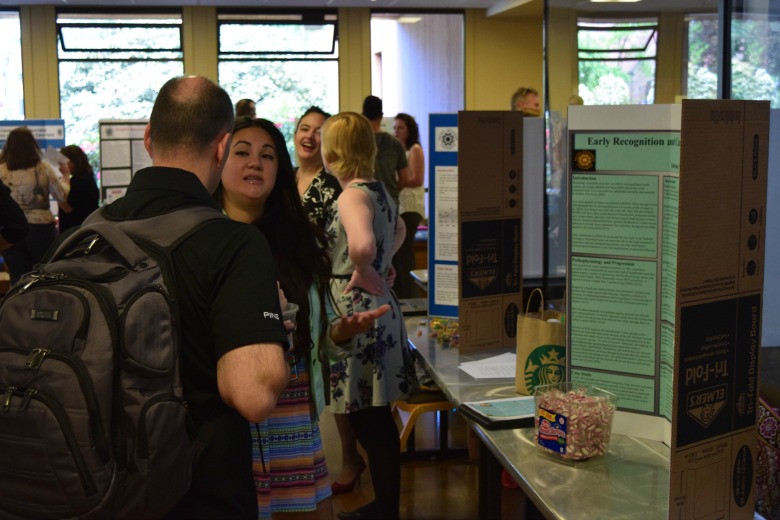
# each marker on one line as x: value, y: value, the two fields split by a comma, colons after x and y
x: 490, y: 211
x: 666, y: 259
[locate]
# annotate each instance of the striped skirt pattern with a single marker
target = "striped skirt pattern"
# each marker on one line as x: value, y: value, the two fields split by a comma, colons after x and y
x: 288, y: 460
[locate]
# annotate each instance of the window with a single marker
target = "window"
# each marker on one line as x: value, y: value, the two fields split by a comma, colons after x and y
x: 755, y: 67
x: 418, y: 66
x: 700, y: 69
x: 617, y: 61
x: 11, y: 86
x: 284, y: 62
x: 111, y: 66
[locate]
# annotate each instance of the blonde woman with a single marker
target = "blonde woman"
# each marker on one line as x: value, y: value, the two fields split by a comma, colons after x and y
x: 376, y: 367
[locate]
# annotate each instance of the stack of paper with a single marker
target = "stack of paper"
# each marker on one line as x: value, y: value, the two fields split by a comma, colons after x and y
x: 496, y: 367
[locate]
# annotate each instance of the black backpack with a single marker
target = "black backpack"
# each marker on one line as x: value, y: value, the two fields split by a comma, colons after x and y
x: 92, y: 420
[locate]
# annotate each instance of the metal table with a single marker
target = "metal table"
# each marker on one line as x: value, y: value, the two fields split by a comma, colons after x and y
x: 630, y: 482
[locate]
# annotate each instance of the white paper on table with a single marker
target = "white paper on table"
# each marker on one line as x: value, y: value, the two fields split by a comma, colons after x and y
x: 505, y: 358
x: 496, y: 367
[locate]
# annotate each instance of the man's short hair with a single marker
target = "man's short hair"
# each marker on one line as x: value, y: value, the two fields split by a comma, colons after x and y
x: 245, y: 107
x: 372, y: 108
x: 189, y: 118
x: 521, y: 93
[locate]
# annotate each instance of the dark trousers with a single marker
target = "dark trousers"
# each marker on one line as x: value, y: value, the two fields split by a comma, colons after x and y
x: 22, y: 257
x: 376, y: 431
x: 404, y: 261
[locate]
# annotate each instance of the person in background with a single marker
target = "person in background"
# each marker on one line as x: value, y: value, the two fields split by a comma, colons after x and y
x: 391, y: 168
x: 31, y: 182
x: 318, y: 189
x: 13, y: 224
x: 376, y: 368
x: 84, y: 196
x: 526, y: 100
x: 245, y: 107
x: 412, y: 203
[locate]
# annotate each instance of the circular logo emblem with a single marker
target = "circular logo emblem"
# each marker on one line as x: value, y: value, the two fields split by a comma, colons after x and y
x: 545, y: 365
x: 585, y: 160
x: 448, y: 138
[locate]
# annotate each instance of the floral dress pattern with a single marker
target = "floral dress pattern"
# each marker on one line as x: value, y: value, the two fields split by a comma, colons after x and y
x: 380, y: 369
x: 768, y: 461
x: 319, y: 200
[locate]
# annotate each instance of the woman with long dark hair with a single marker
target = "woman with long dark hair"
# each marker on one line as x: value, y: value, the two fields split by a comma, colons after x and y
x: 411, y: 203
x: 31, y: 181
x: 258, y: 187
x: 84, y: 196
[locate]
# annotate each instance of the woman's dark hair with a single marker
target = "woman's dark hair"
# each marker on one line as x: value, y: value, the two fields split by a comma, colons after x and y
x: 298, y: 246
x: 413, y: 134
x: 81, y: 166
x: 312, y: 110
x: 21, y: 150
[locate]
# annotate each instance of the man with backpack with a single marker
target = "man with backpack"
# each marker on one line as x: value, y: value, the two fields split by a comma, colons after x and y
x: 232, y: 338
x: 147, y: 342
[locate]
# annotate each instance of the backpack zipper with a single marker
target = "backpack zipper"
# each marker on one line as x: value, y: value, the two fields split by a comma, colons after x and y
x: 35, y: 359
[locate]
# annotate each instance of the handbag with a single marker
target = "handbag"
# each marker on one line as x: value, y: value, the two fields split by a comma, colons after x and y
x: 541, y: 347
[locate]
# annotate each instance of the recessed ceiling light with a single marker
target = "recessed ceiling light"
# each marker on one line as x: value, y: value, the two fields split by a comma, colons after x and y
x: 409, y: 19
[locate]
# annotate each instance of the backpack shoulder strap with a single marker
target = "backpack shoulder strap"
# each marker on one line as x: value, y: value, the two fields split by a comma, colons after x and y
x: 167, y: 229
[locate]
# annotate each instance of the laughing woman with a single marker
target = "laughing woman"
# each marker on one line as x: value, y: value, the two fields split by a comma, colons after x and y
x: 318, y: 189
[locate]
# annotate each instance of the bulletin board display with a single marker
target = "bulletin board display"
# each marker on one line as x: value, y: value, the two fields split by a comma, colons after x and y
x: 47, y: 132
x: 122, y: 153
x: 443, y: 215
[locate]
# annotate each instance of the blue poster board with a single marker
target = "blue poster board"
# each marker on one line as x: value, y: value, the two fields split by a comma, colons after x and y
x: 443, y: 216
x: 48, y: 132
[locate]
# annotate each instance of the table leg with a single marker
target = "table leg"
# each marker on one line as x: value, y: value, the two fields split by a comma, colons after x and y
x: 489, y: 485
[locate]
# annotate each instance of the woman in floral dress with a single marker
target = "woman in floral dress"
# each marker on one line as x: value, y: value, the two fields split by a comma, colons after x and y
x: 376, y: 366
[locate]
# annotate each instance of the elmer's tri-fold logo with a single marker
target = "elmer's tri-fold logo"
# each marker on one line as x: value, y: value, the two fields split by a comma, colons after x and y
x: 704, y: 405
x: 584, y: 160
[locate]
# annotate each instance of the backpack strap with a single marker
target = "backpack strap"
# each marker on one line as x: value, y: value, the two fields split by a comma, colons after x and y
x: 166, y: 229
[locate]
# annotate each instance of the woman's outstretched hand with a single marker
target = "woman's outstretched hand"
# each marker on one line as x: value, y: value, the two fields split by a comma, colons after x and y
x: 347, y: 326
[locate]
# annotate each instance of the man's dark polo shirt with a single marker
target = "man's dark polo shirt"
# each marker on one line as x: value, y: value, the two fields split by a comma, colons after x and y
x: 225, y: 280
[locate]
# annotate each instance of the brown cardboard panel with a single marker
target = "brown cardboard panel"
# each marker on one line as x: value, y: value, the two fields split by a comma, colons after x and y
x: 490, y: 209
x: 754, y: 188
x: 723, y: 168
x: 710, y: 175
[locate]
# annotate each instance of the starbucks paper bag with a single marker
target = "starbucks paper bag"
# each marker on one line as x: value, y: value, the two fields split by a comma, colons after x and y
x: 541, y: 348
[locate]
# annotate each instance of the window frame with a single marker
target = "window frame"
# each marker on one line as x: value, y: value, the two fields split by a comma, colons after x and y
x: 314, y: 17
x: 107, y: 52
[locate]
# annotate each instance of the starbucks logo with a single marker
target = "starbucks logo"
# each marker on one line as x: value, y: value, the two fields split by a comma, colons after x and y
x: 545, y: 365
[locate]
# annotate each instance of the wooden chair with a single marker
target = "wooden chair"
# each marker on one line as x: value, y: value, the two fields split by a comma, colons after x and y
x: 420, y: 403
